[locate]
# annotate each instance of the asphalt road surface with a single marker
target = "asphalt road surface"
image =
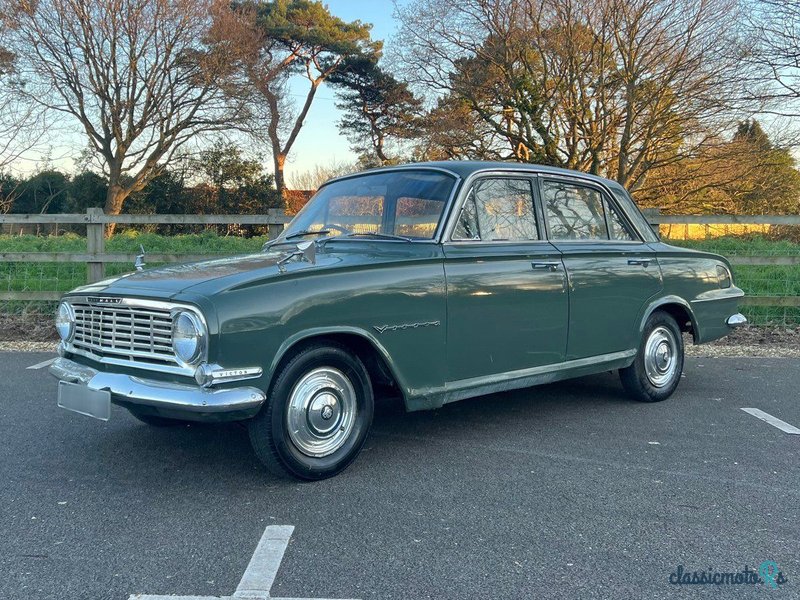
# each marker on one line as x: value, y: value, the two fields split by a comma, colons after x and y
x: 563, y: 491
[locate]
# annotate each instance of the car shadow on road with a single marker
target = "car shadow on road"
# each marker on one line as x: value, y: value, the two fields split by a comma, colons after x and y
x: 149, y: 455
x: 543, y: 400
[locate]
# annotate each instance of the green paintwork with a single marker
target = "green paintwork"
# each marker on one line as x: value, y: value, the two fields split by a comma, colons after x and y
x: 606, y: 294
x: 503, y: 315
x: 450, y: 319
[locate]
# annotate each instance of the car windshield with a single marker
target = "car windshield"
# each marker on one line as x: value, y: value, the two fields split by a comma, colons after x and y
x: 404, y: 204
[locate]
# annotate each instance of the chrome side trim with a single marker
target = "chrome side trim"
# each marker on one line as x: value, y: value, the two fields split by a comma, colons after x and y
x: 521, y: 373
x: 737, y: 320
x: 175, y: 397
x: 717, y: 294
x: 486, y: 384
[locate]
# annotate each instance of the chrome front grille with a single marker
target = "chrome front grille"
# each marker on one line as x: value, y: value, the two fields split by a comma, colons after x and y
x: 140, y: 334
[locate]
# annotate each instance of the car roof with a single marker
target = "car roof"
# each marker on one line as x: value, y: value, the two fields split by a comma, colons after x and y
x: 465, y: 168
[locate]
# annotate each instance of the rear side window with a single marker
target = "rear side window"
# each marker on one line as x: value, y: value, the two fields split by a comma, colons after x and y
x: 577, y: 212
x: 498, y: 209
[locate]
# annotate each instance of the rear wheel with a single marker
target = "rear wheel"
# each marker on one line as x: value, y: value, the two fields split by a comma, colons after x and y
x: 656, y: 372
x: 317, y: 416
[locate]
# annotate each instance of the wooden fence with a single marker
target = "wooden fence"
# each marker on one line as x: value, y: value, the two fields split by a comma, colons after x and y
x: 96, y: 257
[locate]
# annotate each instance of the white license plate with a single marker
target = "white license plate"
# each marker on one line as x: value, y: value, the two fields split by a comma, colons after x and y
x: 81, y: 399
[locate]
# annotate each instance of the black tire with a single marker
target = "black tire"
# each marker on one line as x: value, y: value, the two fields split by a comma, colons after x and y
x: 155, y: 420
x: 341, y: 381
x: 661, y: 334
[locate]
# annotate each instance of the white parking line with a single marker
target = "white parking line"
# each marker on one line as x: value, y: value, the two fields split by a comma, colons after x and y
x: 266, y: 561
x: 260, y: 573
x: 43, y: 364
x: 774, y: 421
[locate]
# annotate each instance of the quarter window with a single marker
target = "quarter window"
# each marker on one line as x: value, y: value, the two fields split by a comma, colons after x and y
x: 619, y: 231
x: 498, y: 210
x: 576, y: 212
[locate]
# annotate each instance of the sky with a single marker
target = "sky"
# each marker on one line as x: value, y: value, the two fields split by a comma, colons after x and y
x: 320, y: 142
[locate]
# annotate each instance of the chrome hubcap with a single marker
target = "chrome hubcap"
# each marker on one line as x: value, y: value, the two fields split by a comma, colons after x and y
x: 660, y: 356
x: 321, y: 412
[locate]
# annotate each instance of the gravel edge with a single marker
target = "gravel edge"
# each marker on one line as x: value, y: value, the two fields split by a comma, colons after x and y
x: 712, y: 351
x: 19, y: 346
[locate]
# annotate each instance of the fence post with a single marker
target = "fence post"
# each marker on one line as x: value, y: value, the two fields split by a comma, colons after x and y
x: 275, y: 229
x: 95, y: 244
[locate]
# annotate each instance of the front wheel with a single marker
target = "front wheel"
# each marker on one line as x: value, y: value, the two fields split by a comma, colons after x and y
x: 317, y: 416
x: 656, y: 372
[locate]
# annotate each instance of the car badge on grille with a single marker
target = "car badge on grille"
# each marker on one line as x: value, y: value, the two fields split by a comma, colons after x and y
x: 99, y: 300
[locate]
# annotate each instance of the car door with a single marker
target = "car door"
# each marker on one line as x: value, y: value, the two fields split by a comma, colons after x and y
x: 612, y: 272
x: 506, y: 286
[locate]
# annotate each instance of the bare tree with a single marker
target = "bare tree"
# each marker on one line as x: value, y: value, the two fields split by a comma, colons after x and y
x: 747, y: 174
x: 615, y: 87
x: 774, y: 61
x: 21, y: 124
x: 140, y: 77
x: 775, y: 26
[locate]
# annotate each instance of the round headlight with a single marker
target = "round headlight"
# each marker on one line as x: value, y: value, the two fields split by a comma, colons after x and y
x: 65, y: 321
x: 188, y: 337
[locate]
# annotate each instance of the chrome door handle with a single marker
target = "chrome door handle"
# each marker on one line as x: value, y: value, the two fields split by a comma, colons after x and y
x: 645, y: 262
x: 550, y: 266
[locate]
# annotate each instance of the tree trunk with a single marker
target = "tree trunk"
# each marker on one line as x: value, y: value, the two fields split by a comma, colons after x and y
x: 114, y: 199
x: 379, y: 151
x: 280, y: 181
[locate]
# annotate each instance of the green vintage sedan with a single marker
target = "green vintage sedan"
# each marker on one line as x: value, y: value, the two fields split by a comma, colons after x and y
x: 433, y: 282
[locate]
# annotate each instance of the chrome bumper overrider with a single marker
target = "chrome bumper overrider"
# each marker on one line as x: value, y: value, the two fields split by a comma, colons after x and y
x: 191, y: 400
x: 736, y: 320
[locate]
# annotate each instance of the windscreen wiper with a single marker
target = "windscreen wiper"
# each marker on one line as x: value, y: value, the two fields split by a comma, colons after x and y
x: 302, y: 233
x: 374, y: 234
x: 305, y: 232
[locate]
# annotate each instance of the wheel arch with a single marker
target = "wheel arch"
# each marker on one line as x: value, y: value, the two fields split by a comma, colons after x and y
x: 373, y: 354
x: 676, y: 307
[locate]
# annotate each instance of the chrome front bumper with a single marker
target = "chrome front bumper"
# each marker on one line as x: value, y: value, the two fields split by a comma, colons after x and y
x: 176, y: 400
x: 737, y: 320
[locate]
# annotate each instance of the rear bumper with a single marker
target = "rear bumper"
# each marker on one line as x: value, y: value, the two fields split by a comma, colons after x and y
x: 173, y: 400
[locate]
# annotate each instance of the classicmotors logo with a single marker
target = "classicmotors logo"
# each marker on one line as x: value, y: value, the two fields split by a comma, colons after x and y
x: 767, y: 574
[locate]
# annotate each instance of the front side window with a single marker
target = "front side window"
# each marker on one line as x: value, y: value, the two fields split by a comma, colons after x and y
x: 498, y: 210
x: 407, y: 203
x: 576, y: 212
